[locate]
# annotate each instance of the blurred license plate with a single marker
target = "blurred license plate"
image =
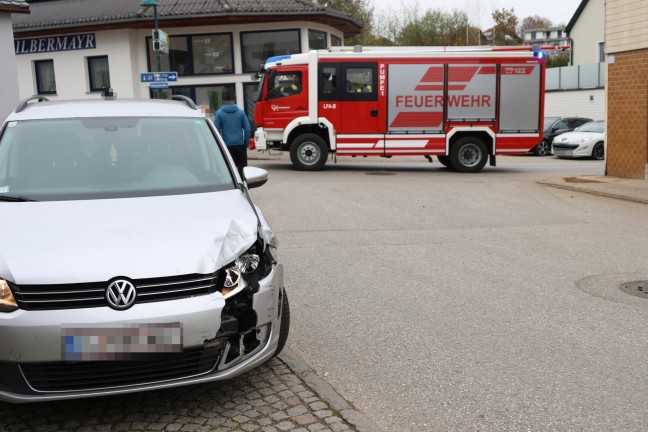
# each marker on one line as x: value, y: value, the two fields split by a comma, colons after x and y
x: 125, y: 342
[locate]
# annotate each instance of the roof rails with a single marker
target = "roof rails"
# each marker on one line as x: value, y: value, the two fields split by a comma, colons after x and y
x: 22, y: 105
x: 186, y: 100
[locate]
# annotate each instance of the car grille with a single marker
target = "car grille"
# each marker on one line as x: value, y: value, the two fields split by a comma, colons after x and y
x: 565, y: 146
x: 86, y: 295
x: 77, y: 376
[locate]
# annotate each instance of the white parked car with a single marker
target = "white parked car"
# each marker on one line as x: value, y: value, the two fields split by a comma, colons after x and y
x: 587, y: 140
x: 131, y: 256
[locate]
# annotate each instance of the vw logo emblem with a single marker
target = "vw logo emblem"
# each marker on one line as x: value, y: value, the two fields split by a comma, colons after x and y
x: 121, y: 294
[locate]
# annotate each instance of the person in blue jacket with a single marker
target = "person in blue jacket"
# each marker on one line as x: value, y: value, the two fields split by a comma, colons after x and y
x: 234, y: 127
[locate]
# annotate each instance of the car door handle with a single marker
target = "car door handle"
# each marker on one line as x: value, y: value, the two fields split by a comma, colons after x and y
x: 301, y: 108
x: 374, y: 113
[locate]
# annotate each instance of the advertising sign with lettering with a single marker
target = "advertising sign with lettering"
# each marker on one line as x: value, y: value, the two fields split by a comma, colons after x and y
x: 55, y: 43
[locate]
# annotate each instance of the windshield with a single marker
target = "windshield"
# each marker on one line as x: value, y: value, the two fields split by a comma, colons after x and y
x: 94, y: 158
x: 591, y: 127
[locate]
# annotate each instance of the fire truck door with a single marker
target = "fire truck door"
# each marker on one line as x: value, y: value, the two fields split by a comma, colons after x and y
x: 287, y: 97
x: 359, y: 114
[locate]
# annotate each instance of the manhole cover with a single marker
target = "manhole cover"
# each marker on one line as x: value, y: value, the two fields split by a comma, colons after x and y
x: 380, y: 173
x: 637, y: 288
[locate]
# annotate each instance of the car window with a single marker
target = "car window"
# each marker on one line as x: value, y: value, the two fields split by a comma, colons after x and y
x: 594, y: 126
x: 579, y: 122
x: 91, y: 158
x: 562, y: 124
x: 549, y: 121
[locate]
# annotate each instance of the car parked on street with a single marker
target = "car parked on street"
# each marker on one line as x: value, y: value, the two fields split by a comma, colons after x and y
x: 585, y: 141
x: 132, y: 255
x: 554, y: 126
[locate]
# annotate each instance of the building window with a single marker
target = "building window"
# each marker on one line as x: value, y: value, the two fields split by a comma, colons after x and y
x: 208, y: 97
x: 250, y: 91
x: 257, y: 47
x: 336, y: 41
x: 203, y: 54
x: 316, y: 39
x: 601, y: 52
x: 98, y: 73
x: 45, y: 80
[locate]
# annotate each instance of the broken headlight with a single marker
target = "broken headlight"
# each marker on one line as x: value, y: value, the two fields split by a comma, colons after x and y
x: 248, y: 269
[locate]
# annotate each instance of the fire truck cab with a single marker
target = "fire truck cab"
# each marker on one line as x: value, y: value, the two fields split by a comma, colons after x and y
x: 463, y: 106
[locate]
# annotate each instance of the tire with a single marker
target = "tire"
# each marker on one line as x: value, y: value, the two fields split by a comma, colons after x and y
x: 468, y: 155
x: 285, y: 324
x: 445, y: 161
x: 542, y: 149
x: 308, y: 152
x: 598, y: 152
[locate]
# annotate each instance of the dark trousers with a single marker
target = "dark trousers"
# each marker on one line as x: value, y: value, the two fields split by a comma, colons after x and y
x: 239, y: 154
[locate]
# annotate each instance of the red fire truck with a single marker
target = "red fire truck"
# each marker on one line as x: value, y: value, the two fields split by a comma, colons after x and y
x: 464, y: 105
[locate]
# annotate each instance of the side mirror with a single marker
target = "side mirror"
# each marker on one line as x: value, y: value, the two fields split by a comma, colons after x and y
x: 255, y: 177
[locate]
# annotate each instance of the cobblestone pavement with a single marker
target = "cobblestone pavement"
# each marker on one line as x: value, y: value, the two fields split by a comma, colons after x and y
x: 270, y: 398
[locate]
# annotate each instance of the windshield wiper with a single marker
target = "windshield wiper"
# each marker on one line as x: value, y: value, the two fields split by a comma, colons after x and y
x: 12, y: 198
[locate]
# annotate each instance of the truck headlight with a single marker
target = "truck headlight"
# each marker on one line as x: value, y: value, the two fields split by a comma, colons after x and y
x: 250, y: 266
x: 7, y: 300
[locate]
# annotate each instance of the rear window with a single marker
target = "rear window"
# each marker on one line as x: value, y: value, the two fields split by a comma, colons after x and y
x: 94, y: 158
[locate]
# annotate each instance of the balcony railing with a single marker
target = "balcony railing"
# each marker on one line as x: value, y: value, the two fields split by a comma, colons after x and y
x: 586, y: 76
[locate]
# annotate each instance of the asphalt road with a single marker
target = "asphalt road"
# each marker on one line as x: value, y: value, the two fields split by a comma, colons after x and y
x: 439, y: 301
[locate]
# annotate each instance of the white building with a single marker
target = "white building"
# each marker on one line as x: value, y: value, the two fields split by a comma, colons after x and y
x: 73, y: 49
x: 554, y: 36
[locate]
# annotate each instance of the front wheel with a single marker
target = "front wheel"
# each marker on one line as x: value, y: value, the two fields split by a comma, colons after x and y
x: 468, y: 155
x: 308, y: 152
x: 598, y: 152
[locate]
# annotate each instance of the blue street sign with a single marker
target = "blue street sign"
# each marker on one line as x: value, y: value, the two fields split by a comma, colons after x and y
x: 161, y: 85
x: 159, y: 77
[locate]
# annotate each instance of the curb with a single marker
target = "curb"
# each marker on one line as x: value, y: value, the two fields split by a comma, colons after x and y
x: 354, y: 417
x: 594, y: 192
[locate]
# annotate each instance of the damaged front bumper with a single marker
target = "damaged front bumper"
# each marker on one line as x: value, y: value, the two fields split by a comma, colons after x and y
x: 222, y: 338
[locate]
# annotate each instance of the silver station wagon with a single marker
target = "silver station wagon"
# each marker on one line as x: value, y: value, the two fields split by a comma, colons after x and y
x: 132, y: 256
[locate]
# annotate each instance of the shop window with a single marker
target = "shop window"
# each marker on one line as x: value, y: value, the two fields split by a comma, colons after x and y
x: 316, y: 39
x: 257, y: 47
x: 98, y: 73
x: 203, y: 54
x: 336, y: 41
x: 45, y: 80
x: 250, y: 91
x: 208, y: 97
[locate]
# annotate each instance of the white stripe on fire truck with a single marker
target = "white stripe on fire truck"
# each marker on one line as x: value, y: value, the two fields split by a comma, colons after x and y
x: 402, y: 143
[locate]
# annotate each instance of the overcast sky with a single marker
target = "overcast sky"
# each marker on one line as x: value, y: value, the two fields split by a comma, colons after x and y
x: 479, y: 11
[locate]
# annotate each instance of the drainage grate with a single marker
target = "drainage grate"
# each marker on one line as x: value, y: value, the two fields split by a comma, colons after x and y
x: 637, y: 288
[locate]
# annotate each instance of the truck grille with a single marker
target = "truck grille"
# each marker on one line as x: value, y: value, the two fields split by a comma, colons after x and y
x: 93, y: 294
x: 77, y: 376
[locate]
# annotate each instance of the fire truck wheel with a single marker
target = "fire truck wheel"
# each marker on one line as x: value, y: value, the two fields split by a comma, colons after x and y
x: 308, y: 152
x: 468, y: 155
x: 445, y: 161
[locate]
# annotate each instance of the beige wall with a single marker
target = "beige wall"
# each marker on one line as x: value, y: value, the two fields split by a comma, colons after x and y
x: 8, y: 87
x: 625, y: 26
x: 588, y: 31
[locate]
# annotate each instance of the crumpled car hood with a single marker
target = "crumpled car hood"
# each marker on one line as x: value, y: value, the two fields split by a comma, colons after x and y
x: 97, y: 240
